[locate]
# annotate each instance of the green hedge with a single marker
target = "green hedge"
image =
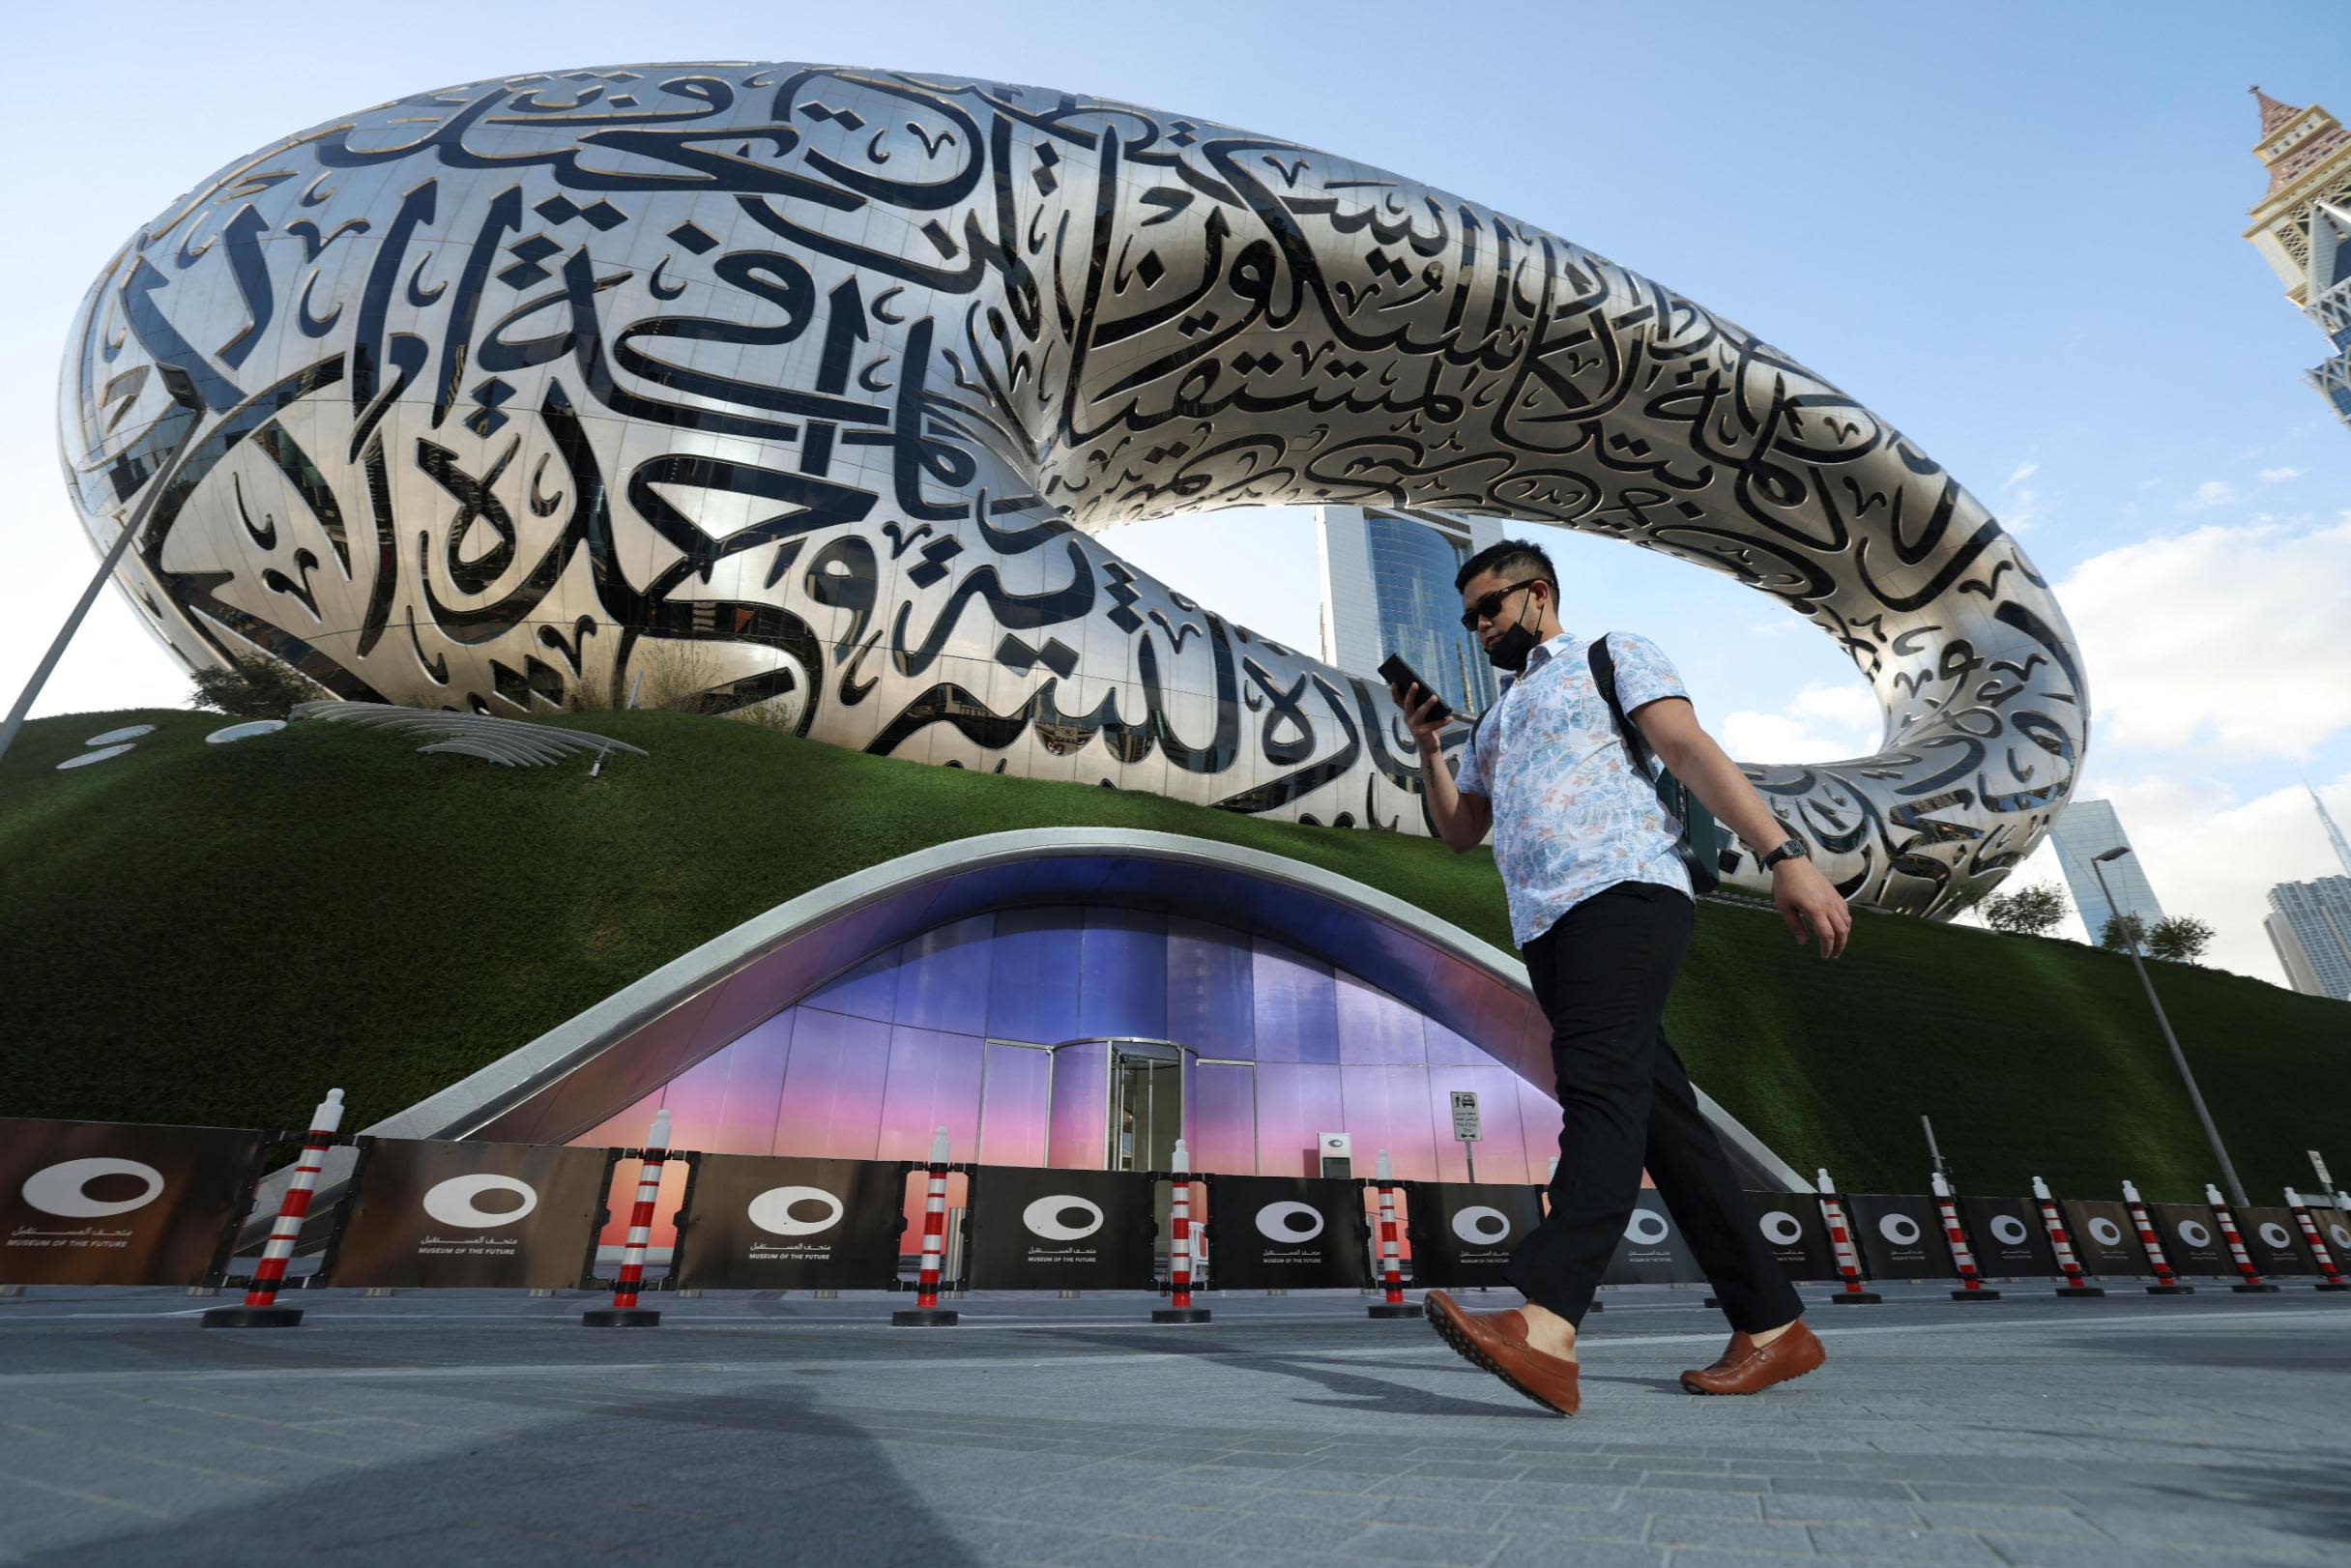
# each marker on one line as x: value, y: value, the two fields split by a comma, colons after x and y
x: 210, y: 934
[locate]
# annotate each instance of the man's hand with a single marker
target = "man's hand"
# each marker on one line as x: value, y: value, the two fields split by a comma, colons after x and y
x: 1806, y: 898
x: 1420, y: 708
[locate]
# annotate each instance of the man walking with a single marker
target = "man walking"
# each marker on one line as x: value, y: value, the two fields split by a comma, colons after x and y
x: 1601, y: 907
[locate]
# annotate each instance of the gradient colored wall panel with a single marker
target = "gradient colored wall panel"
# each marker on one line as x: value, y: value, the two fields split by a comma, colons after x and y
x: 1014, y: 1106
x: 1032, y: 984
x: 1295, y: 1006
x: 1122, y: 969
x: 940, y: 974
x: 1225, y: 1119
x: 831, y: 1103
x: 934, y: 1081
x: 868, y: 990
x: 1210, y: 1005
x: 1388, y: 1108
x: 755, y: 1087
x: 1296, y: 1103
x: 1374, y: 1027
x: 1081, y: 1107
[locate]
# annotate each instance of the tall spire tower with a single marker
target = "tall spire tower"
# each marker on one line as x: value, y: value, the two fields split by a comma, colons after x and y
x: 2335, y: 834
x: 2302, y: 226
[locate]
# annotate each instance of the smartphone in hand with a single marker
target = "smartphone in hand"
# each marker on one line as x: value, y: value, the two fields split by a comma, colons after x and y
x: 1403, y: 677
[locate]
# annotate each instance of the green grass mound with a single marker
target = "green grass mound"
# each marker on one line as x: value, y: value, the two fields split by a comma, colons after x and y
x: 211, y: 934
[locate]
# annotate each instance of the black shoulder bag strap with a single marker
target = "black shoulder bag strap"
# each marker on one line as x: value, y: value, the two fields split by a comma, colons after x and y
x: 1697, y: 823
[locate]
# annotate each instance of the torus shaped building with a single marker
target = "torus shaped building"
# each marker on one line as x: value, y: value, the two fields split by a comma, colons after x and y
x: 829, y: 385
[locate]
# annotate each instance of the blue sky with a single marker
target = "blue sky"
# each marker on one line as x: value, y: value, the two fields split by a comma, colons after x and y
x: 2013, y: 230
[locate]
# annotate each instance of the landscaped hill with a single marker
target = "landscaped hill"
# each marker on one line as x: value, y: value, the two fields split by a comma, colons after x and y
x: 213, y: 933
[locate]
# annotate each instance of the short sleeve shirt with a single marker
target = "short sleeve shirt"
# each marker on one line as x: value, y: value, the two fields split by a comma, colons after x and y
x: 1572, y: 815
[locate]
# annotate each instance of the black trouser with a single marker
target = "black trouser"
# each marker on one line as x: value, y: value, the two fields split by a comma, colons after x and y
x: 1601, y: 975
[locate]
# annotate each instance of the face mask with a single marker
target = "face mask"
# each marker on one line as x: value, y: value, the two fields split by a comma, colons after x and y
x: 1511, y: 648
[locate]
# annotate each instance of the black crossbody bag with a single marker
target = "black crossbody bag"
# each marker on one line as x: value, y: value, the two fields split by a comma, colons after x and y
x: 1697, y: 823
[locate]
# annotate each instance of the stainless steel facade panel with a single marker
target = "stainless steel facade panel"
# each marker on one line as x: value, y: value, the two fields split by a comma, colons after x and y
x: 829, y: 385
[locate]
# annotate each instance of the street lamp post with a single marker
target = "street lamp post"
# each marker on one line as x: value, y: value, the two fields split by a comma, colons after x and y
x: 2179, y: 1059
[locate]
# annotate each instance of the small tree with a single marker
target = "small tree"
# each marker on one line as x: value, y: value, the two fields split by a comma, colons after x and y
x: 254, y: 688
x: 2029, y: 912
x: 2181, y: 937
x: 2121, y: 931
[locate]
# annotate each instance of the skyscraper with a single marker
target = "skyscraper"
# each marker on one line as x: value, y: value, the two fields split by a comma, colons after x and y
x: 2309, y: 925
x: 2335, y: 834
x: 1388, y: 588
x: 2087, y: 830
x: 2302, y: 226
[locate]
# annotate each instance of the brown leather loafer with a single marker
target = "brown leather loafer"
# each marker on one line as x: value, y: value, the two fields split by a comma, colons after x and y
x: 1497, y: 1342
x: 1748, y: 1368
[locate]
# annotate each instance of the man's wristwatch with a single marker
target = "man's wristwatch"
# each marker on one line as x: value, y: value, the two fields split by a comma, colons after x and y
x: 1793, y: 848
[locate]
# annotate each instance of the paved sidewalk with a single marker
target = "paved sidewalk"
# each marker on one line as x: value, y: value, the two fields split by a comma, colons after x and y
x: 470, y: 1428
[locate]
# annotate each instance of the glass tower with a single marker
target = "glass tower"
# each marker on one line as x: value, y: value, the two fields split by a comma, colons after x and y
x: 2309, y: 925
x: 2087, y: 830
x: 1388, y: 588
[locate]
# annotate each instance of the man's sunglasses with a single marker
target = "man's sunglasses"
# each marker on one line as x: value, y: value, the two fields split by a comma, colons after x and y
x: 1490, y: 605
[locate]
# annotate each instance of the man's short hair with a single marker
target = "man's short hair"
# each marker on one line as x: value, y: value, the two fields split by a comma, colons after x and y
x: 1518, y: 559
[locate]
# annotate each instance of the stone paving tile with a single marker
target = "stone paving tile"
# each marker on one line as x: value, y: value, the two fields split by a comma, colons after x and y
x: 1750, y: 1535
x: 1876, y: 1543
x: 1829, y: 1509
x: 1821, y: 1486
x: 2016, y: 1519
x: 1404, y: 1543
x: 1684, y: 1481
x: 1541, y: 1551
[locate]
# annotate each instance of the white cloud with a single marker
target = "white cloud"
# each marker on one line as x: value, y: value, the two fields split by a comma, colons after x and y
x: 2273, y: 476
x: 1823, y: 724
x: 2227, y: 638
x: 2174, y: 825
x: 2022, y: 472
x: 2211, y: 493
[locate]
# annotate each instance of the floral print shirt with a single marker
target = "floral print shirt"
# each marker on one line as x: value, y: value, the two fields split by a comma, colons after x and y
x: 1572, y: 815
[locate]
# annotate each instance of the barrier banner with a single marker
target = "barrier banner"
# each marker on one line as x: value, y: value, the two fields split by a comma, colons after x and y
x: 1047, y: 1230
x: 429, y: 1214
x: 763, y: 1222
x: 2191, y: 1239
x: 2273, y: 1236
x: 1901, y: 1237
x: 2008, y: 1237
x: 2335, y: 1226
x: 1287, y: 1232
x: 1651, y: 1251
x: 119, y: 1202
x: 1796, y: 1233
x: 1463, y: 1233
x: 2105, y: 1236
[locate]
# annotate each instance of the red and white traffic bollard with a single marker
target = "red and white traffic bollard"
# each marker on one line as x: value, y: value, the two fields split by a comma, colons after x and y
x: 1391, y: 1267
x: 624, y: 1312
x: 926, y: 1312
x: 1841, y: 1242
x: 2253, y: 1284
x: 2330, y: 1277
x: 1181, y: 1239
x: 1971, y: 1283
x: 2077, y: 1284
x: 260, y: 1309
x: 2166, y: 1282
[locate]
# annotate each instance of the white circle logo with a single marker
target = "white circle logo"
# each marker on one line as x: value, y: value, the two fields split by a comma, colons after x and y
x: 2194, y: 1232
x: 1782, y: 1228
x: 1645, y: 1227
x: 456, y: 1201
x: 2008, y: 1230
x: 64, y: 1189
x: 1289, y: 1221
x: 1045, y: 1218
x: 2340, y: 1232
x: 2105, y: 1233
x: 1900, y: 1229
x: 2275, y: 1235
x: 1481, y: 1227
x: 772, y: 1210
